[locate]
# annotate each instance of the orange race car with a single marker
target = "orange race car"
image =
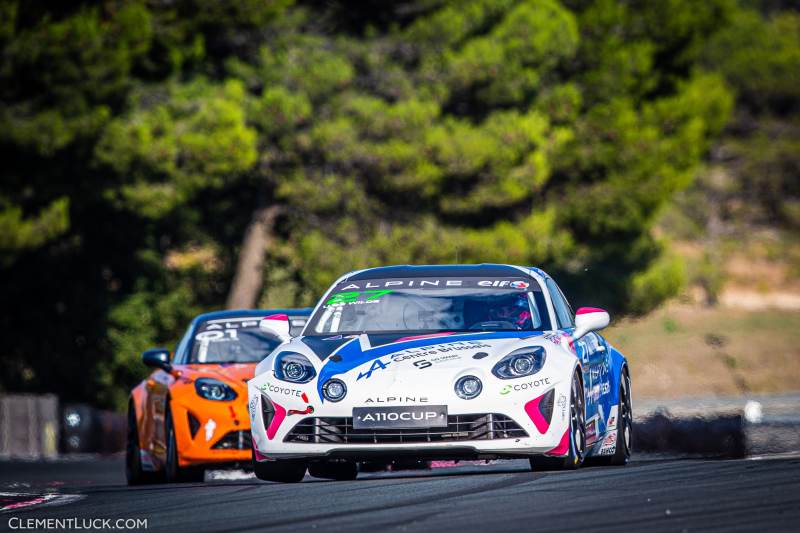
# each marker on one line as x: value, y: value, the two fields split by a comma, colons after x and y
x: 191, y: 412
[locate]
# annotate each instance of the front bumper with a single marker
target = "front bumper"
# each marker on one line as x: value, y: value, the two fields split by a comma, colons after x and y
x: 515, y: 423
x: 210, y: 432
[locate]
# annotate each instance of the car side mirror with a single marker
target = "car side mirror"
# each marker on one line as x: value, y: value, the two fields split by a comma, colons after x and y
x: 589, y: 319
x: 157, y: 358
x: 277, y: 325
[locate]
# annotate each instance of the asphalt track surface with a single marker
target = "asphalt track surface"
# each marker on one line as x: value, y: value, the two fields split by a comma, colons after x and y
x: 650, y: 494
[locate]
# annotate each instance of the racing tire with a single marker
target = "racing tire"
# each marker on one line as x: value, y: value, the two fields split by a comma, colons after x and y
x: 577, y: 435
x: 173, y: 472
x: 338, y: 471
x: 280, y: 471
x: 622, y: 452
x: 134, y: 474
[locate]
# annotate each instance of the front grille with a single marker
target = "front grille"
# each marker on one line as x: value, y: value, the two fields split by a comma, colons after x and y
x: 234, y: 440
x: 313, y: 430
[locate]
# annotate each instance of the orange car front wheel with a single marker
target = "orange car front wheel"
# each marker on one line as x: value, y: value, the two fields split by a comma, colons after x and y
x: 134, y: 473
x: 173, y: 471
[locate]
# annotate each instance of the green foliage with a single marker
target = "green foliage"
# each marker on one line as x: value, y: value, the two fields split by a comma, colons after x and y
x: 761, y: 59
x: 164, y: 154
x: 18, y: 234
x: 139, y: 138
x: 662, y: 280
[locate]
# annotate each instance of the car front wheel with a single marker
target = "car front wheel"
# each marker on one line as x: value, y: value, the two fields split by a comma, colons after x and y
x: 576, y: 437
x: 175, y: 473
x: 134, y: 474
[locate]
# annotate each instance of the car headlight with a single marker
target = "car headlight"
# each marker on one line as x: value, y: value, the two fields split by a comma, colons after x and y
x: 519, y: 363
x: 294, y: 367
x: 214, y: 389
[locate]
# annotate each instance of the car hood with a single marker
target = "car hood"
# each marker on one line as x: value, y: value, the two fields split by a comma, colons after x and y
x: 378, y: 361
x: 238, y: 373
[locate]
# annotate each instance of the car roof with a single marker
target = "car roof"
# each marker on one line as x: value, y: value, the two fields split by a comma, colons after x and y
x: 425, y: 271
x: 233, y: 313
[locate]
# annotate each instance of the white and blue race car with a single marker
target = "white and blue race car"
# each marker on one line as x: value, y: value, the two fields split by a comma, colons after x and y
x: 439, y: 362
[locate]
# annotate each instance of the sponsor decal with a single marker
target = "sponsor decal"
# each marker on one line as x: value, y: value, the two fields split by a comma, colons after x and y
x: 210, y: 427
x: 561, y: 338
x: 411, y: 416
x: 229, y: 324
x: 612, y: 418
x: 356, y: 297
x: 517, y: 387
x: 436, y: 354
x: 377, y: 364
x: 280, y: 389
x: 307, y: 411
x: 552, y: 337
x: 397, y: 399
x: 609, y: 445
x: 598, y: 371
x: 287, y: 391
x: 598, y: 390
x: 253, y: 406
x: 591, y: 430
x: 375, y: 285
x: 562, y: 404
x: 394, y: 417
x: 437, y: 349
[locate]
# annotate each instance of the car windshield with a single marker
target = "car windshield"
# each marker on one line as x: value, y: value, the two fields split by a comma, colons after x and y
x: 233, y: 340
x: 430, y: 306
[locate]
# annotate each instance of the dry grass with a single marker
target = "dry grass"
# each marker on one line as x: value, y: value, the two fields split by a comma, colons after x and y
x: 690, y: 351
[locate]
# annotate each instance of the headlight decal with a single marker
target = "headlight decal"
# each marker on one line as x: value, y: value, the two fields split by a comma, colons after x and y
x: 214, y: 389
x: 520, y: 363
x: 294, y: 368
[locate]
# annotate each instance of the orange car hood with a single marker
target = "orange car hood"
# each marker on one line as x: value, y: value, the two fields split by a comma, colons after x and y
x: 236, y: 373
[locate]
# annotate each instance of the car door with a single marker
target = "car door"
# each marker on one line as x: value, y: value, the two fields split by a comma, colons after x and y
x: 157, y: 389
x: 592, y: 351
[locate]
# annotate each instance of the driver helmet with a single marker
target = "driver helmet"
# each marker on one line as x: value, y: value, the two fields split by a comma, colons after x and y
x: 515, y: 310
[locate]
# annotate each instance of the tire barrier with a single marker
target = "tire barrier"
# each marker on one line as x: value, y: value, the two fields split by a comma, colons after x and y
x: 29, y: 426
x: 716, y: 436
x: 85, y: 429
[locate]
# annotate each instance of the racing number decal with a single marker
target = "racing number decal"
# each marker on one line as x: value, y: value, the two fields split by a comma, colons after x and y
x: 350, y: 297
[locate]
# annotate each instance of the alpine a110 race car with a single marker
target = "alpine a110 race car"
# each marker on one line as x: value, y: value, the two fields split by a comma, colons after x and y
x: 191, y: 412
x: 439, y: 362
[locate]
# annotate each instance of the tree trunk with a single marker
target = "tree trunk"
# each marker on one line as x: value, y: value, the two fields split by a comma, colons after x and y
x: 248, y: 280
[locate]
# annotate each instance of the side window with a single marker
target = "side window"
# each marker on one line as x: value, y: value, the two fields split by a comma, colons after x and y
x: 179, y: 355
x: 570, y: 310
x: 562, y: 308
